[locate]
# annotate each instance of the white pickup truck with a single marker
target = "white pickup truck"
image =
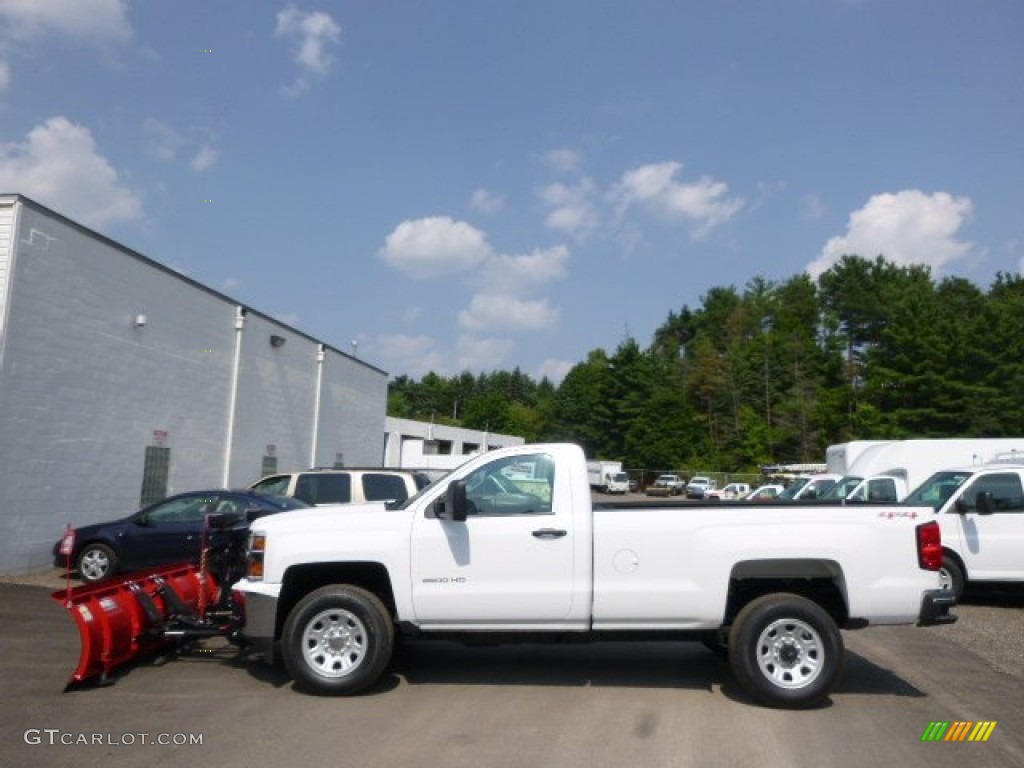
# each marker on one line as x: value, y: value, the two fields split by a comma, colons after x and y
x: 980, y: 509
x: 481, y: 556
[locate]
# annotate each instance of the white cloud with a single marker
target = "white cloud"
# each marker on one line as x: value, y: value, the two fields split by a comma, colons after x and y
x: 315, y: 34
x: 166, y: 144
x: 487, y: 202
x: 908, y: 227
x: 204, y: 159
x: 89, y: 20
x: 563, y: 160
x: 164, y: 141
x: 704, y: 202
x: 5, y: 76
x: 572, y: 205
x: 412, y: 355
x: 512, y: 274
x: 59, y: 166
x: 434, y: 246
x: 555, y: 370
x: 812, y: 208
x: 508, y: 313
x: 487, y: 354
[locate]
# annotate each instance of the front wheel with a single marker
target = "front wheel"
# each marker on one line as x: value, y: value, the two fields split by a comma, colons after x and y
x: 785, y: 651
x: 337, y: 640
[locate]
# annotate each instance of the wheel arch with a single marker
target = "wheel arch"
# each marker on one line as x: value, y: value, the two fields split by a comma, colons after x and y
x: 956, y: 558
x: 300, y: 580
x: 820, y: 580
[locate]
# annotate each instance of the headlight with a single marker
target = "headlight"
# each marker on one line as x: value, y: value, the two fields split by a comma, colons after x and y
x: 254, y: 556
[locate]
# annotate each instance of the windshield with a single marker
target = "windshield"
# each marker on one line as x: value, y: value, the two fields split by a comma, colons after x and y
x: 843, y: 487
x: 621, y: 477
x: 794, y: 488
x: 936, y: 490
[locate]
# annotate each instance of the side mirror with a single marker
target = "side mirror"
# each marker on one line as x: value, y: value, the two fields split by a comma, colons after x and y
x: 142, y: 520
x: 985, y: 503
x: 453, y: 505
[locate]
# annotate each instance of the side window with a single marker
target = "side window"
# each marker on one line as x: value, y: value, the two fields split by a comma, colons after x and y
x: 327, y: 488
x: 230, y: 506
x: 1006, y: 490
x: 277, y: 486
x: 185, y: 510
x: 381, y: 487
x: 882, y: 489
x: 517, y: 485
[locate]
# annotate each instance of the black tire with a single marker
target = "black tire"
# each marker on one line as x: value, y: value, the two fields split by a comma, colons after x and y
x: 951, y: 576
x: 337, y: 640
x: 785, y: 651
x: 96, y: 562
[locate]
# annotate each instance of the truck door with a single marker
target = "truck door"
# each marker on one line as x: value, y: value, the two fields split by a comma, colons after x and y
x: 992, y: 544
x: 510, y: 562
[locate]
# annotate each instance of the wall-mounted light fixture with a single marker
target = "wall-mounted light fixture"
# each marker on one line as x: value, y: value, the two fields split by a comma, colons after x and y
x: 277, y: 341
x: 140, y: 321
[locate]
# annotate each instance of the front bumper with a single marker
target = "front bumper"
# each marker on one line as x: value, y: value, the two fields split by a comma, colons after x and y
x: 935, y: 605
x: 260, y: 616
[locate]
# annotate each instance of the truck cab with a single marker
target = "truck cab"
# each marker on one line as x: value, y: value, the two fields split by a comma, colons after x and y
x: 980, y: 509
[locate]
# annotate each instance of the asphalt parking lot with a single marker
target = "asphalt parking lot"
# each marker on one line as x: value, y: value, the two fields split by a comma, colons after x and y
x: 645, y: 704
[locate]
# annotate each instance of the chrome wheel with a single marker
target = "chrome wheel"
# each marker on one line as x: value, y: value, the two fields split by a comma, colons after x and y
x: 790, y: 653
x: 945, y: 579
x: 334, y: 643
x: 94, y: 564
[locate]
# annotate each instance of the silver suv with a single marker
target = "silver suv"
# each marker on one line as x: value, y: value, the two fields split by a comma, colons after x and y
x: 344, y: 486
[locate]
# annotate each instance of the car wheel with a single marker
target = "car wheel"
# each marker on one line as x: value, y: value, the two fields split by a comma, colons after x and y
x: 951, y: 577
x: 785, y: 651
x: 96, y: 562
x: 337, y: 640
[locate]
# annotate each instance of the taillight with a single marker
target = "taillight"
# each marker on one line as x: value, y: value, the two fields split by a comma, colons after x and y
x: 929, y: 546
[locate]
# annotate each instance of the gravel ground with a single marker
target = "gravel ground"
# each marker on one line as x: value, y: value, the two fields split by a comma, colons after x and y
x: 992, y: 625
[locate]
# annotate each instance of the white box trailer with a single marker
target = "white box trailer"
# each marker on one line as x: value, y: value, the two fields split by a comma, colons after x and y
x: 604, y: 476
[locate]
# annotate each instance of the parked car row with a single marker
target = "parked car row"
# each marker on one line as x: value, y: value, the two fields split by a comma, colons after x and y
x: 175, y: 529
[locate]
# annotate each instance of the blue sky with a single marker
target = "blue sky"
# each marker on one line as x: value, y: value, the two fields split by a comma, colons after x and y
x: 474, y: 184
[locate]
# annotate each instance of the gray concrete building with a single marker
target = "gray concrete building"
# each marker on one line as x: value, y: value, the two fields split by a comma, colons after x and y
x: 122, y: 381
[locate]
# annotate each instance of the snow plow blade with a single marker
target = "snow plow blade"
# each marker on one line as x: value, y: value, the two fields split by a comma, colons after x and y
x: 129, y: 617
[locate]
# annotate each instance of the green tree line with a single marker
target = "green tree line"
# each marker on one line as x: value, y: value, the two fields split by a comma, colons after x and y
x: 774, y: 372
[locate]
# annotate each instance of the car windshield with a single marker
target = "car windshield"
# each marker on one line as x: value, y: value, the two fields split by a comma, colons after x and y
x: 936, y: 490
x: 795, y: 488
x: 620, y: 477
x: 843, y: 487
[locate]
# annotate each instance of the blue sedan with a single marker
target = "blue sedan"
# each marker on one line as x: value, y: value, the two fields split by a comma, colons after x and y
x: 168, y: 532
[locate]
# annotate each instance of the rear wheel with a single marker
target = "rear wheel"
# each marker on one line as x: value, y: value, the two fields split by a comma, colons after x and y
x: 96, y: 562
x: 951, y: 576
x: 785, y: 651
x: 337, y: 640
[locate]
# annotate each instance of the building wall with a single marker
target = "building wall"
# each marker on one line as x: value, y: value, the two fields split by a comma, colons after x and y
x: 352, y: 413
x: 85, y: 387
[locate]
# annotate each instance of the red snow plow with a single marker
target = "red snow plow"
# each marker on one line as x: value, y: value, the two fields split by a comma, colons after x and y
x: 140, y: 614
